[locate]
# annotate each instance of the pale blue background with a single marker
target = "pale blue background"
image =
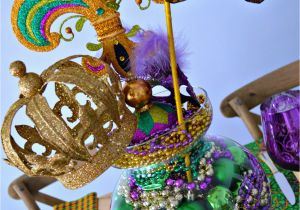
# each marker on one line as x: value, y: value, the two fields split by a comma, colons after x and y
x: 231, y: 42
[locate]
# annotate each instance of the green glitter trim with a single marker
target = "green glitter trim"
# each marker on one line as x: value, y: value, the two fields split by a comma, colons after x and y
x: 22, y: 16
x: 36, y: 22
x: 145, y: 122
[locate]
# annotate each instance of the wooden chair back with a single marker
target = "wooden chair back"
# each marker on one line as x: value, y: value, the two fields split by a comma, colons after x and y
x: 28, y: 190
x: 240, y: 102
x: 244, y: 99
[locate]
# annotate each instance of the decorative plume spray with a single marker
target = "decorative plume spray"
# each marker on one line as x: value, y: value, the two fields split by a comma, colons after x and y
x: 151, y: 61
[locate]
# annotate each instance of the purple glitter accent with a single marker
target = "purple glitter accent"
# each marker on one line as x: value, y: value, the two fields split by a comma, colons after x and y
x: 160, y: 145
x: 49, y: 13
x: 158, y: 129
x: 138, y: 135
x: 255, y: 180
x: 96, y: 68
x: 143, y: 138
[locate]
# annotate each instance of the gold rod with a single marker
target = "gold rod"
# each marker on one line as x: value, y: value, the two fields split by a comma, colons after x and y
x: 175, y: 78
x: 187, y: 161
x: 173, y: 63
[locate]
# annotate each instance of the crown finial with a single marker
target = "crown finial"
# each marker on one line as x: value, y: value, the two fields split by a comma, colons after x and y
x: 17, y: 69
x: 30, y: 83
x: 138, y: 94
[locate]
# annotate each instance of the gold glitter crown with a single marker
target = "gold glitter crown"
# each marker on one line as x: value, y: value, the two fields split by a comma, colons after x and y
x: 68, y: 156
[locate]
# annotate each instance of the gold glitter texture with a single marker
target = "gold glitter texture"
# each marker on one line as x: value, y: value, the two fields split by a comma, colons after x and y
x: 74, y: 163
x: 108, y: 27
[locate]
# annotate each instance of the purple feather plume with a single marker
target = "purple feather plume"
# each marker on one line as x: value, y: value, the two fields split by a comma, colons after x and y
x: 151, y: 61
x: 151, y: 58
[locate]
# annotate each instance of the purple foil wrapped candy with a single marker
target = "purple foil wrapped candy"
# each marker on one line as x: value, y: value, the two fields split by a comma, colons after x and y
x: 280, y: 120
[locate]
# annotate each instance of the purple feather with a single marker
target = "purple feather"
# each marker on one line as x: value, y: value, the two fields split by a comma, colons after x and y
x: 151, y: 59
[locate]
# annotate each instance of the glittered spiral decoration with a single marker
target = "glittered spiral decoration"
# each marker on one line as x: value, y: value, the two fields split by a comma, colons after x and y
x: 32, y: 19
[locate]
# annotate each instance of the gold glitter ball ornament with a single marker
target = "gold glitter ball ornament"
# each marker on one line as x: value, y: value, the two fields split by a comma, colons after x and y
x: 137, y: 93
x: 17, y: 69
x: 30, y: 84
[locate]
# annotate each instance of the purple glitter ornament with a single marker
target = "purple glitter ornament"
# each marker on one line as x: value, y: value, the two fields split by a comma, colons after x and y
x: 280, y: 120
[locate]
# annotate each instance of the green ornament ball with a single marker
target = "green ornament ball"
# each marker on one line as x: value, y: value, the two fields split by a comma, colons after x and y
x: 226, y: 172
x: 192, y: 205
x: 238, y: 154
x: 220, y: 198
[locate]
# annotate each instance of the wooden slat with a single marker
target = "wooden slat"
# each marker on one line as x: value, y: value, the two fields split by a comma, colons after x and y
x: 297, y: 174
x: 257, y: 91
x: 256, y: 118
x: 104, y: 202
x: 23, y: 193
x: 47, y: 199
x: 241, y: 109
x: 33, y: 184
